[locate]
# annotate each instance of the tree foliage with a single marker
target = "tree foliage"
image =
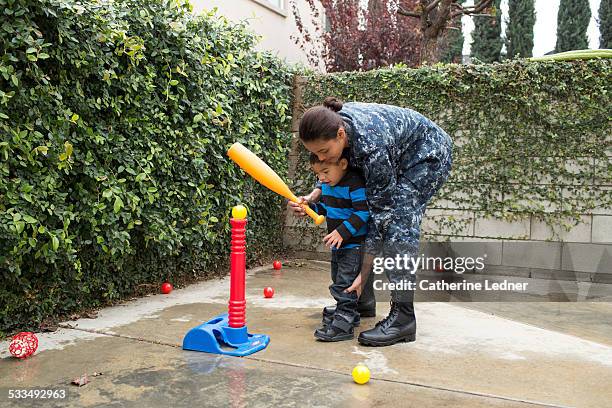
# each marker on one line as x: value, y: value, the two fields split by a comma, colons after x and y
x: 435, y: 17
x: 572, y: 23
x: 356, y: 37
x: 114, y: 122
x: 605, y: 24
x: 486, y: 37
x: 452, y: 44
x: 519, y: 34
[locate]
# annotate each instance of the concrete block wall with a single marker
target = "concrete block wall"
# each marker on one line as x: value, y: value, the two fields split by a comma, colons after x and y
x: 524, y: 247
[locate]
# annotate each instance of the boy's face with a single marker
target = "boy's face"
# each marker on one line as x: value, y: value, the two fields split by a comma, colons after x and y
x: 330, y: 173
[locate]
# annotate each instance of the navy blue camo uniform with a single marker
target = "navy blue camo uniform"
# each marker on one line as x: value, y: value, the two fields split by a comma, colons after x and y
x: 405, y: 158
x: 346, y: 210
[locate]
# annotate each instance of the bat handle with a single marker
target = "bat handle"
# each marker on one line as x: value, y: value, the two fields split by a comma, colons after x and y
x: 318, y: 219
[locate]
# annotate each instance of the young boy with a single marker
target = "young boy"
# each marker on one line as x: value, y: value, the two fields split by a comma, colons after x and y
x: 343, y: 202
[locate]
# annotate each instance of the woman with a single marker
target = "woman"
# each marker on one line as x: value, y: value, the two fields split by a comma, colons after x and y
x: 405, y: 158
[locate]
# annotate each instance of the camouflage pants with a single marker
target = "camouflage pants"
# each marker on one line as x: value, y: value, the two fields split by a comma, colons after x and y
x: 415, y: 188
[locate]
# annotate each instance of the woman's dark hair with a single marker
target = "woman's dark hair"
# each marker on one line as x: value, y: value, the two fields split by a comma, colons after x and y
x: 322, y: 121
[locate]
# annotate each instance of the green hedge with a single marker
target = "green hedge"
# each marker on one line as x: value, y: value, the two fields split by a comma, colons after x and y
x: 114, y: 122
x: 530, y: 138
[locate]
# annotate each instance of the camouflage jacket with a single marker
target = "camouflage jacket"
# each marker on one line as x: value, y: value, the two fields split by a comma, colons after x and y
x: 393, y: 145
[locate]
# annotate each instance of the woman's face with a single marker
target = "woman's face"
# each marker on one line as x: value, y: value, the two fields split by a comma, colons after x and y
x: 328, y: 150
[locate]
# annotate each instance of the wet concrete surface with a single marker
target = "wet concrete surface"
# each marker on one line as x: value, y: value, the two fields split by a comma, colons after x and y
x: 141, y: 374
x: 466, y: 354
x: 587, y: 320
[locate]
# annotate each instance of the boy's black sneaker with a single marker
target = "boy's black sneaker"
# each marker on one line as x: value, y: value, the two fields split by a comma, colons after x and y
x: 328, y: 316
x: 337, y: 330
x: 364, y: 310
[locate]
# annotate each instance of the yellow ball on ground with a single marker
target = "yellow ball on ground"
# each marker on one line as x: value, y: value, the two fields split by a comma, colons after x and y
x: 361, y: 374
x: 239, y: 212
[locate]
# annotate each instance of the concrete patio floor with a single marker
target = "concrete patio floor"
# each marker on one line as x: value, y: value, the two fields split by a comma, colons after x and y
x: 465, y: 355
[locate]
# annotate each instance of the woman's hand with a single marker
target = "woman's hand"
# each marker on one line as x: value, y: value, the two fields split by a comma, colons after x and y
x: 366, y: 269
x: 355, y: 287
x: 333, y: 239
x: 313, y: 197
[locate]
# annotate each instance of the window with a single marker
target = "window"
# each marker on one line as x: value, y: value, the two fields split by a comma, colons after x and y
x: 277, y: 6
x: 277, y: 3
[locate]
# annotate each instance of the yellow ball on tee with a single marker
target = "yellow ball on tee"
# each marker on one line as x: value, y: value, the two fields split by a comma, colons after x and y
x: 239, y: 212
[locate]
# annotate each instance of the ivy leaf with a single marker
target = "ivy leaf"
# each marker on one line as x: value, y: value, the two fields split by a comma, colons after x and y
x: 29, y: 219
x: 42, y: 149
x: 118, y: 204
x: 68, y: 146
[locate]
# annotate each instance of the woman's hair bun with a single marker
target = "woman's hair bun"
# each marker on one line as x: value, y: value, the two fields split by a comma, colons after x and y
x: 333, y: 103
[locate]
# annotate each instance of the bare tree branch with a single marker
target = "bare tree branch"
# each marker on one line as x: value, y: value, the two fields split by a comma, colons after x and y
x: 473, y: 11
x: 408, y: 13
x: 436, y: 16
x: 432, y: 5
x: 477, y: 8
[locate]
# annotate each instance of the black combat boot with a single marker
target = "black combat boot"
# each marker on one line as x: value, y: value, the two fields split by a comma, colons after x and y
x: 337, y: 330
x: 399, y: 325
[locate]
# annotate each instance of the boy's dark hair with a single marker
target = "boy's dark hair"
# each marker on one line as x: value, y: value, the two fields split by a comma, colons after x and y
x: 314, y: 159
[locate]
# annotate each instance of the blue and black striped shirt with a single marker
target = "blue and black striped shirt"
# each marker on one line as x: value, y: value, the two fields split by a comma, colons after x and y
x: 346, y: 208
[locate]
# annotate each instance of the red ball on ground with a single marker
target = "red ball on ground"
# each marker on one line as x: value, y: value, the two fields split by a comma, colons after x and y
x: 268, y: 292
x: 277, y: 265
x: 166, y: 288
x: 23, y: 344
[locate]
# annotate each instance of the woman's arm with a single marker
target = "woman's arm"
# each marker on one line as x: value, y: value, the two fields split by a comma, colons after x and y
x: 362, y: 278
x: 381, y: 185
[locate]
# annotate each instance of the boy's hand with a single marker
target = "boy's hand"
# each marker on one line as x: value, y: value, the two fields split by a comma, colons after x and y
x: 333, y: 239
x: 313, y: 197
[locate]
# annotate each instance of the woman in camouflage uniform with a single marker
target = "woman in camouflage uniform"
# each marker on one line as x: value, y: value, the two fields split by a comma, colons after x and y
x: 405, y: 158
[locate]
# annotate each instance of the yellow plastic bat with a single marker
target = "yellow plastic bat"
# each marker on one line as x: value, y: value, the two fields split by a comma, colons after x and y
x: 260, y: 171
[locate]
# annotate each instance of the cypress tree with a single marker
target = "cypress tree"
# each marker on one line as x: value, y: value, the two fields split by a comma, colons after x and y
x: 453, y: 42
x: 486, y: 37
x: 572, y: 23
x: 519, y: 34
x: 605, y: 24
x: 453, y: 46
